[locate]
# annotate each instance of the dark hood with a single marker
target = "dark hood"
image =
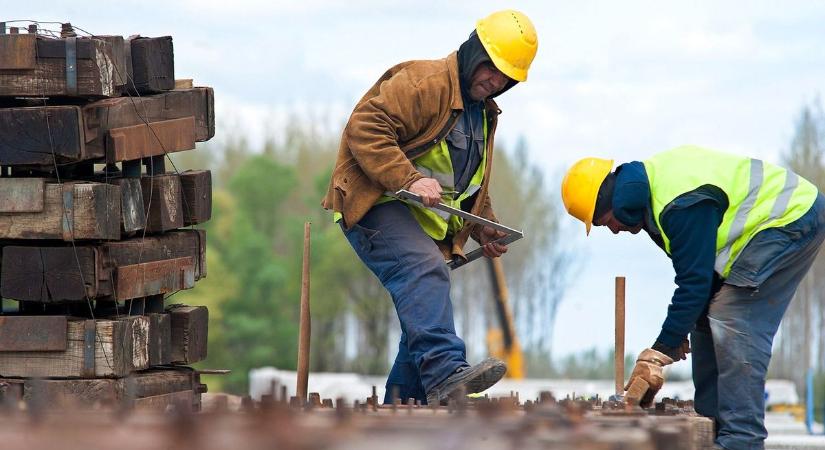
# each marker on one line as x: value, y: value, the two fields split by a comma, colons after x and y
x: 470, y: 55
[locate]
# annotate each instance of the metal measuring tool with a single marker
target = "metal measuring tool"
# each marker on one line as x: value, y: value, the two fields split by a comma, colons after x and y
x: 510, y: 235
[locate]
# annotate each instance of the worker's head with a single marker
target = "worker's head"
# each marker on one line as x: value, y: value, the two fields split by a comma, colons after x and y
x: 497, y: 55
x: 587, y: 193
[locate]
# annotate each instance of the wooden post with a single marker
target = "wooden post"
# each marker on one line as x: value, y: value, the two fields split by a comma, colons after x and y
x: 619, y: 349
x: 304, y: 333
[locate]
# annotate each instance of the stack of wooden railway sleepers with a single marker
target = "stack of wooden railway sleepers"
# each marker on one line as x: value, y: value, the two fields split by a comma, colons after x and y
x: 94, y: 231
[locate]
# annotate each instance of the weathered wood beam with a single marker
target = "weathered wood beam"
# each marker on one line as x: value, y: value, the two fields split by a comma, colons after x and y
x: 33, y: 333
x: 112, y: 392
x: 40, y: 135
x: 160, y: 339
x: 21, y: 195
x: 131, y: 204
x: 71, y: 211
x: 154, y: 277
x: 93, y: 65
x: 190, y: 326
x: 197, y: 196
x: 43, y: 135
x: 95, y: 348
x: 17, y: 52
x: 66, y: 274
x: 162, y: 202
x: 156, y: 138
x: 153, y: 64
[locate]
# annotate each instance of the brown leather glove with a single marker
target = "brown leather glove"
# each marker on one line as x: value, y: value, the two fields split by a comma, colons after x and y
x: 649, y: 368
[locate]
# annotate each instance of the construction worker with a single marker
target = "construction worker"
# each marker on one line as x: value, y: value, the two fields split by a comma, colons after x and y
x: 427, y: 126
x: 741, y: 234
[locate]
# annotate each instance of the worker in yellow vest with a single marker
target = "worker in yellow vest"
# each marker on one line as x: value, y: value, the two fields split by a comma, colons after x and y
x: 741, y: 233
x: 427, y: 126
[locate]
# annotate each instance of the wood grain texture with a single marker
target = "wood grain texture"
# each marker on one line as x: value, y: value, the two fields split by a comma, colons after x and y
x: 17, y: 52
x: 110, y: 391
x: 117, y: 352
x: 162, y: 202
x: 19, y: 195
x: 74, y: 210
x: 196, y: 186
x: 43, y: 135
x: 96, y: 65
x: 101, y: 116
x: 160, y: 339
x: 156, y: 138
x: 190, y: 327
x: 153, y: 64
x: 131, y: 204
x: 155, y: 277
x: 49, y: 274
x: 67, y: 274
x: 32, y: 333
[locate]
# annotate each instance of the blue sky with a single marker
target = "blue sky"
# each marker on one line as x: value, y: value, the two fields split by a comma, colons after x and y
x: 613, y: 79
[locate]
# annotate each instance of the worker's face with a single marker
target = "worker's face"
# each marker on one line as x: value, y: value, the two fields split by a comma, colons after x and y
x: 610, y: 221
x: 486, y: 81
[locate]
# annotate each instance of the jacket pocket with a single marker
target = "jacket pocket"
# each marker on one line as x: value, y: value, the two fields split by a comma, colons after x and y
x: 347, y: 177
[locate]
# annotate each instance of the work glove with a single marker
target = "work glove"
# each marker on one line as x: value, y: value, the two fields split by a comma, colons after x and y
x: 648, y: 367
x: 677, y: 354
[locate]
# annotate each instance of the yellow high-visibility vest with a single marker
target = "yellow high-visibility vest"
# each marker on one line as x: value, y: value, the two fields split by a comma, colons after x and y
x: 760, y: 195
x: 436, y: 163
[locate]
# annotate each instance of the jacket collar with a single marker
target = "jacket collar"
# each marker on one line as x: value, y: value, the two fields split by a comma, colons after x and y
x: 456, y: 102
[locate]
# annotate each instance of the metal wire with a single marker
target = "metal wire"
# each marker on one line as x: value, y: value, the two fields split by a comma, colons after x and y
x: 151, y: 169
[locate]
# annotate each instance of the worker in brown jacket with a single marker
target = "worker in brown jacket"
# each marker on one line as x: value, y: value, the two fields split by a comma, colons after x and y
x: 427, y: 126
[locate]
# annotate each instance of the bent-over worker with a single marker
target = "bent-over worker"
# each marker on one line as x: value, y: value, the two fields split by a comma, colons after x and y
x: 741, y: 233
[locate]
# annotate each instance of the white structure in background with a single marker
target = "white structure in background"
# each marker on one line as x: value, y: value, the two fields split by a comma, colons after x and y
x: 351, y: 386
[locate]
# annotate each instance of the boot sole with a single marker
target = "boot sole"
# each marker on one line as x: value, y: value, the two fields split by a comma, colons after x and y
x: 481, y: 381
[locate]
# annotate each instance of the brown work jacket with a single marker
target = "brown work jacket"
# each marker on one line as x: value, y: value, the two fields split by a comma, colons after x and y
x: 408, y: 110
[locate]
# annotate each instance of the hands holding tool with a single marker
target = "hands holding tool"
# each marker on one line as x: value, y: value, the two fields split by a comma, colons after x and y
x: 492, y: 249
x: 648, y: 367
x: 428, y: 189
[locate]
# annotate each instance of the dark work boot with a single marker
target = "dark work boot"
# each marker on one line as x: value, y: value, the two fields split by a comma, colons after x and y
x: 473, y: 379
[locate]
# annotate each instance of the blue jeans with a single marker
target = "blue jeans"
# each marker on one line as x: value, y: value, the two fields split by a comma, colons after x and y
x: 732, y: 344
x: 409, y: 264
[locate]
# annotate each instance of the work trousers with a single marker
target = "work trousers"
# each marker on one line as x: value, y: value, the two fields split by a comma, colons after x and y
x: 732, y: 344
x: 409, y: 264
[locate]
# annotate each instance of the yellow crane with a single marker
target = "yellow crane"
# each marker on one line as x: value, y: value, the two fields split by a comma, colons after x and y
x: 502, y: 342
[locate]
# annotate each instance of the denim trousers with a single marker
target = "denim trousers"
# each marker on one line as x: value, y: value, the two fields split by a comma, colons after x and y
x: 409, y: 264
x: 731, y: 345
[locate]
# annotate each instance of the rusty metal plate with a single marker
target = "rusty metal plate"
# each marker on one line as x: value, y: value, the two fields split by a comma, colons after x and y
x: 33, y: 333
x: 156, y: 138
x: 156, y: 277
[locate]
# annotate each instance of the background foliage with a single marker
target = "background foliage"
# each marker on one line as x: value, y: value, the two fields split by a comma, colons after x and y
x: 262, y: 196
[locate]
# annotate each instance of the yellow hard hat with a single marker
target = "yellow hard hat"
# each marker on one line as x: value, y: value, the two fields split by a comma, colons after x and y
x: 511, y: 41
x: 580, y: 188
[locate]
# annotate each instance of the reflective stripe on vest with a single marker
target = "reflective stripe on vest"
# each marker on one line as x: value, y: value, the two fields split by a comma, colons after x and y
x: 760, y: 195
x: 436, y: 163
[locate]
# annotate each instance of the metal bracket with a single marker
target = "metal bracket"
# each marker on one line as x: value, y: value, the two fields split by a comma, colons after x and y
x: 511, y: 234
x: 71, y: 66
